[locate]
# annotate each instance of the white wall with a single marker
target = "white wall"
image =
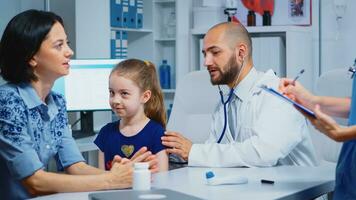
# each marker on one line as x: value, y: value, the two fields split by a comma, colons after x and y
x: 9, y: 8
x: 92, y: 28
x: 66, y: 9
x: 337, y: 51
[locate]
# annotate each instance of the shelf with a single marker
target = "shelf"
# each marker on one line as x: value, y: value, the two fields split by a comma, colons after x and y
x: 261, y: 29
x: 165, y: 39
x: 165, y: 1
x: 166, y: 91
x: 132, y: 30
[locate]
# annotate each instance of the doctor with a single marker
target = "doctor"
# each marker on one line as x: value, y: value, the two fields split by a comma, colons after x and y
x: 250, y: 127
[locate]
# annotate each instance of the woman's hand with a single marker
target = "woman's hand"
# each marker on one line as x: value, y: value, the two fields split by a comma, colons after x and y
x: 296, y: 92
x: 121, y: 174
x: 327, y: 125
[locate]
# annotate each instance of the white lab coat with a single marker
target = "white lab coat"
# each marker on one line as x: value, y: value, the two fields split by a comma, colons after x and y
x: 269, y: 131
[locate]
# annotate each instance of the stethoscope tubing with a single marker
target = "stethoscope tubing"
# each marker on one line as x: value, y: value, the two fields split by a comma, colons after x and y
x: 225, y: 114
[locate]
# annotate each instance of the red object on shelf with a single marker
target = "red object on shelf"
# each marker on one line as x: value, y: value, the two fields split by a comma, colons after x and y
x: 259, y: 6
x: 234, y: 19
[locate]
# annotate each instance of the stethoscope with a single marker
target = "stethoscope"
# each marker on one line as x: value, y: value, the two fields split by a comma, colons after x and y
x: 224, y: 103
x: 225, y: 114
x: 352, y: 71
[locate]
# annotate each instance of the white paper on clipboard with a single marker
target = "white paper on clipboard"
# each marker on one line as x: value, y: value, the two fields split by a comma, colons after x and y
x: 281, y: 96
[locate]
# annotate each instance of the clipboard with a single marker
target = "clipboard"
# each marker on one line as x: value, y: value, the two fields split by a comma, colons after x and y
x: 281, y: 96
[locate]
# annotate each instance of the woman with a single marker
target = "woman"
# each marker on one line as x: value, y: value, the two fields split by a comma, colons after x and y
x: 340, y: 107
x: 34, y: 52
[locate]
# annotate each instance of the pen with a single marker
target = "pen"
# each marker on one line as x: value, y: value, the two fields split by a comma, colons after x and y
x: 298, y: 75
x: 267, y: 181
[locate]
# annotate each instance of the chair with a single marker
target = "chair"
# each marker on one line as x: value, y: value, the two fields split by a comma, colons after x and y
x: 194, y: 103
x: 336, y: 82
x: 2, y: 81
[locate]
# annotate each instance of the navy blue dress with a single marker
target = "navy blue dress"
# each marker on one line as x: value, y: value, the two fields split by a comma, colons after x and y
x: 112, y: 142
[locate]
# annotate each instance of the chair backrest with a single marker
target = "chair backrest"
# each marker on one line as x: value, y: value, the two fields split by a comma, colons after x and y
x: 2, y: 81
x: 194, y: 103
x: 336, y: 82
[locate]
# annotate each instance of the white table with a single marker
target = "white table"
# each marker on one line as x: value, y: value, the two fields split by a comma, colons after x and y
x: 291, y: 182
x: 86, y: 144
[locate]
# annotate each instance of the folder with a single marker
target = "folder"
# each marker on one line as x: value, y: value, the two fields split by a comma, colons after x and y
x: 115, y: 44
x: 116, y: 13
x: 139, y: 14
x: 124, y: 45
x: 125, y: 13
x: 286, y: 99
x: 132, y: 14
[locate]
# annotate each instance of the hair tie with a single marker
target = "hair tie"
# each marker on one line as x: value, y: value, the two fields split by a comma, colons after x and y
x: 147, y: 62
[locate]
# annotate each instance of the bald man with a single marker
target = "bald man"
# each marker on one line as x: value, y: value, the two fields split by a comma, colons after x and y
x: 261, y: 130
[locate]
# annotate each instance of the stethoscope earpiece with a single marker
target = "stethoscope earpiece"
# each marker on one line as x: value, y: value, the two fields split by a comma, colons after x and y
x: 352, y: 71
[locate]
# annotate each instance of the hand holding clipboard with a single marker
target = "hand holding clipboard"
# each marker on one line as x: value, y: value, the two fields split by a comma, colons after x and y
x: 281, y: 96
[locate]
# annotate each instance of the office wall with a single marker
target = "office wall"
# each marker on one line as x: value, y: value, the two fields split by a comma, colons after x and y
x: 66, y: 9
x: 338, y: 43
x: 92, y: 28
x: 9, y: 8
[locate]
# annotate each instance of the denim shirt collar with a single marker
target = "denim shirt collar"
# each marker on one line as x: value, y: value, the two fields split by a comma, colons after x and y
x: 32, y: 100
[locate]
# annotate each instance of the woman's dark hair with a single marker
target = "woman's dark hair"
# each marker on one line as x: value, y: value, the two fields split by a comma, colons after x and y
x: 21, y: 40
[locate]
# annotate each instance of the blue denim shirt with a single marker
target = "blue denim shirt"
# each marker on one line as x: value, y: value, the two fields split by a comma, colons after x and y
x: 31, y: 133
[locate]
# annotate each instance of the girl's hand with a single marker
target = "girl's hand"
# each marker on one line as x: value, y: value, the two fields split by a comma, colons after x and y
x: 142, y: 155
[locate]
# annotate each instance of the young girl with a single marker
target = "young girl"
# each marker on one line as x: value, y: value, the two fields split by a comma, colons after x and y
x: 136, y: 97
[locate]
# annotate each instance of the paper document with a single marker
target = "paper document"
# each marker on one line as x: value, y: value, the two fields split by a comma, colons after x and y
x: 281, y: 96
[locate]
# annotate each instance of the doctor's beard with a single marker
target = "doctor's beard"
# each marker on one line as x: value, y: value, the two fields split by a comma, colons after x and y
x: 231, y: 72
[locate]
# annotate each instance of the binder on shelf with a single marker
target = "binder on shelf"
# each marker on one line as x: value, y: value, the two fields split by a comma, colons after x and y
x: 125, y: 13
x: 132, y: 14
x: 115, y: 44
x: 139, y: 14
x: 116, y: 13
x: 124, y: 44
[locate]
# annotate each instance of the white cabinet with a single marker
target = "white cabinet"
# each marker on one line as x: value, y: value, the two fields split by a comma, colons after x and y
x: 296, y: 40
x: 88, y: 26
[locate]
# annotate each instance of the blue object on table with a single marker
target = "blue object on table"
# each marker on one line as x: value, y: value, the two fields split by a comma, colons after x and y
x: 227, y: 180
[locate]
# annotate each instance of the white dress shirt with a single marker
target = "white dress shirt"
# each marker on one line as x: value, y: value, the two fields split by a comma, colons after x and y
x: 264, y: 130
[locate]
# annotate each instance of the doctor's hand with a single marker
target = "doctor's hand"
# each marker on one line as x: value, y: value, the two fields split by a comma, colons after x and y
x: 177, y: 144
x: 296, y: 92
x: 142, y: 155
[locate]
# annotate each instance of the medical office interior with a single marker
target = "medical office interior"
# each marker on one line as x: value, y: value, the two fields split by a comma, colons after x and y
x: 319, y: 38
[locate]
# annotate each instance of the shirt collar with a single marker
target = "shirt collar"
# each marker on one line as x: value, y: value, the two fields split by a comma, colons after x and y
x: 32, y: 100
x: 29, y: 95
x: 243, y: 89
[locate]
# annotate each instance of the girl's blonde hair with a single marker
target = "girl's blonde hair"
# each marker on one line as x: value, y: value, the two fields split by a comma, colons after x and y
x: 144, y: 74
